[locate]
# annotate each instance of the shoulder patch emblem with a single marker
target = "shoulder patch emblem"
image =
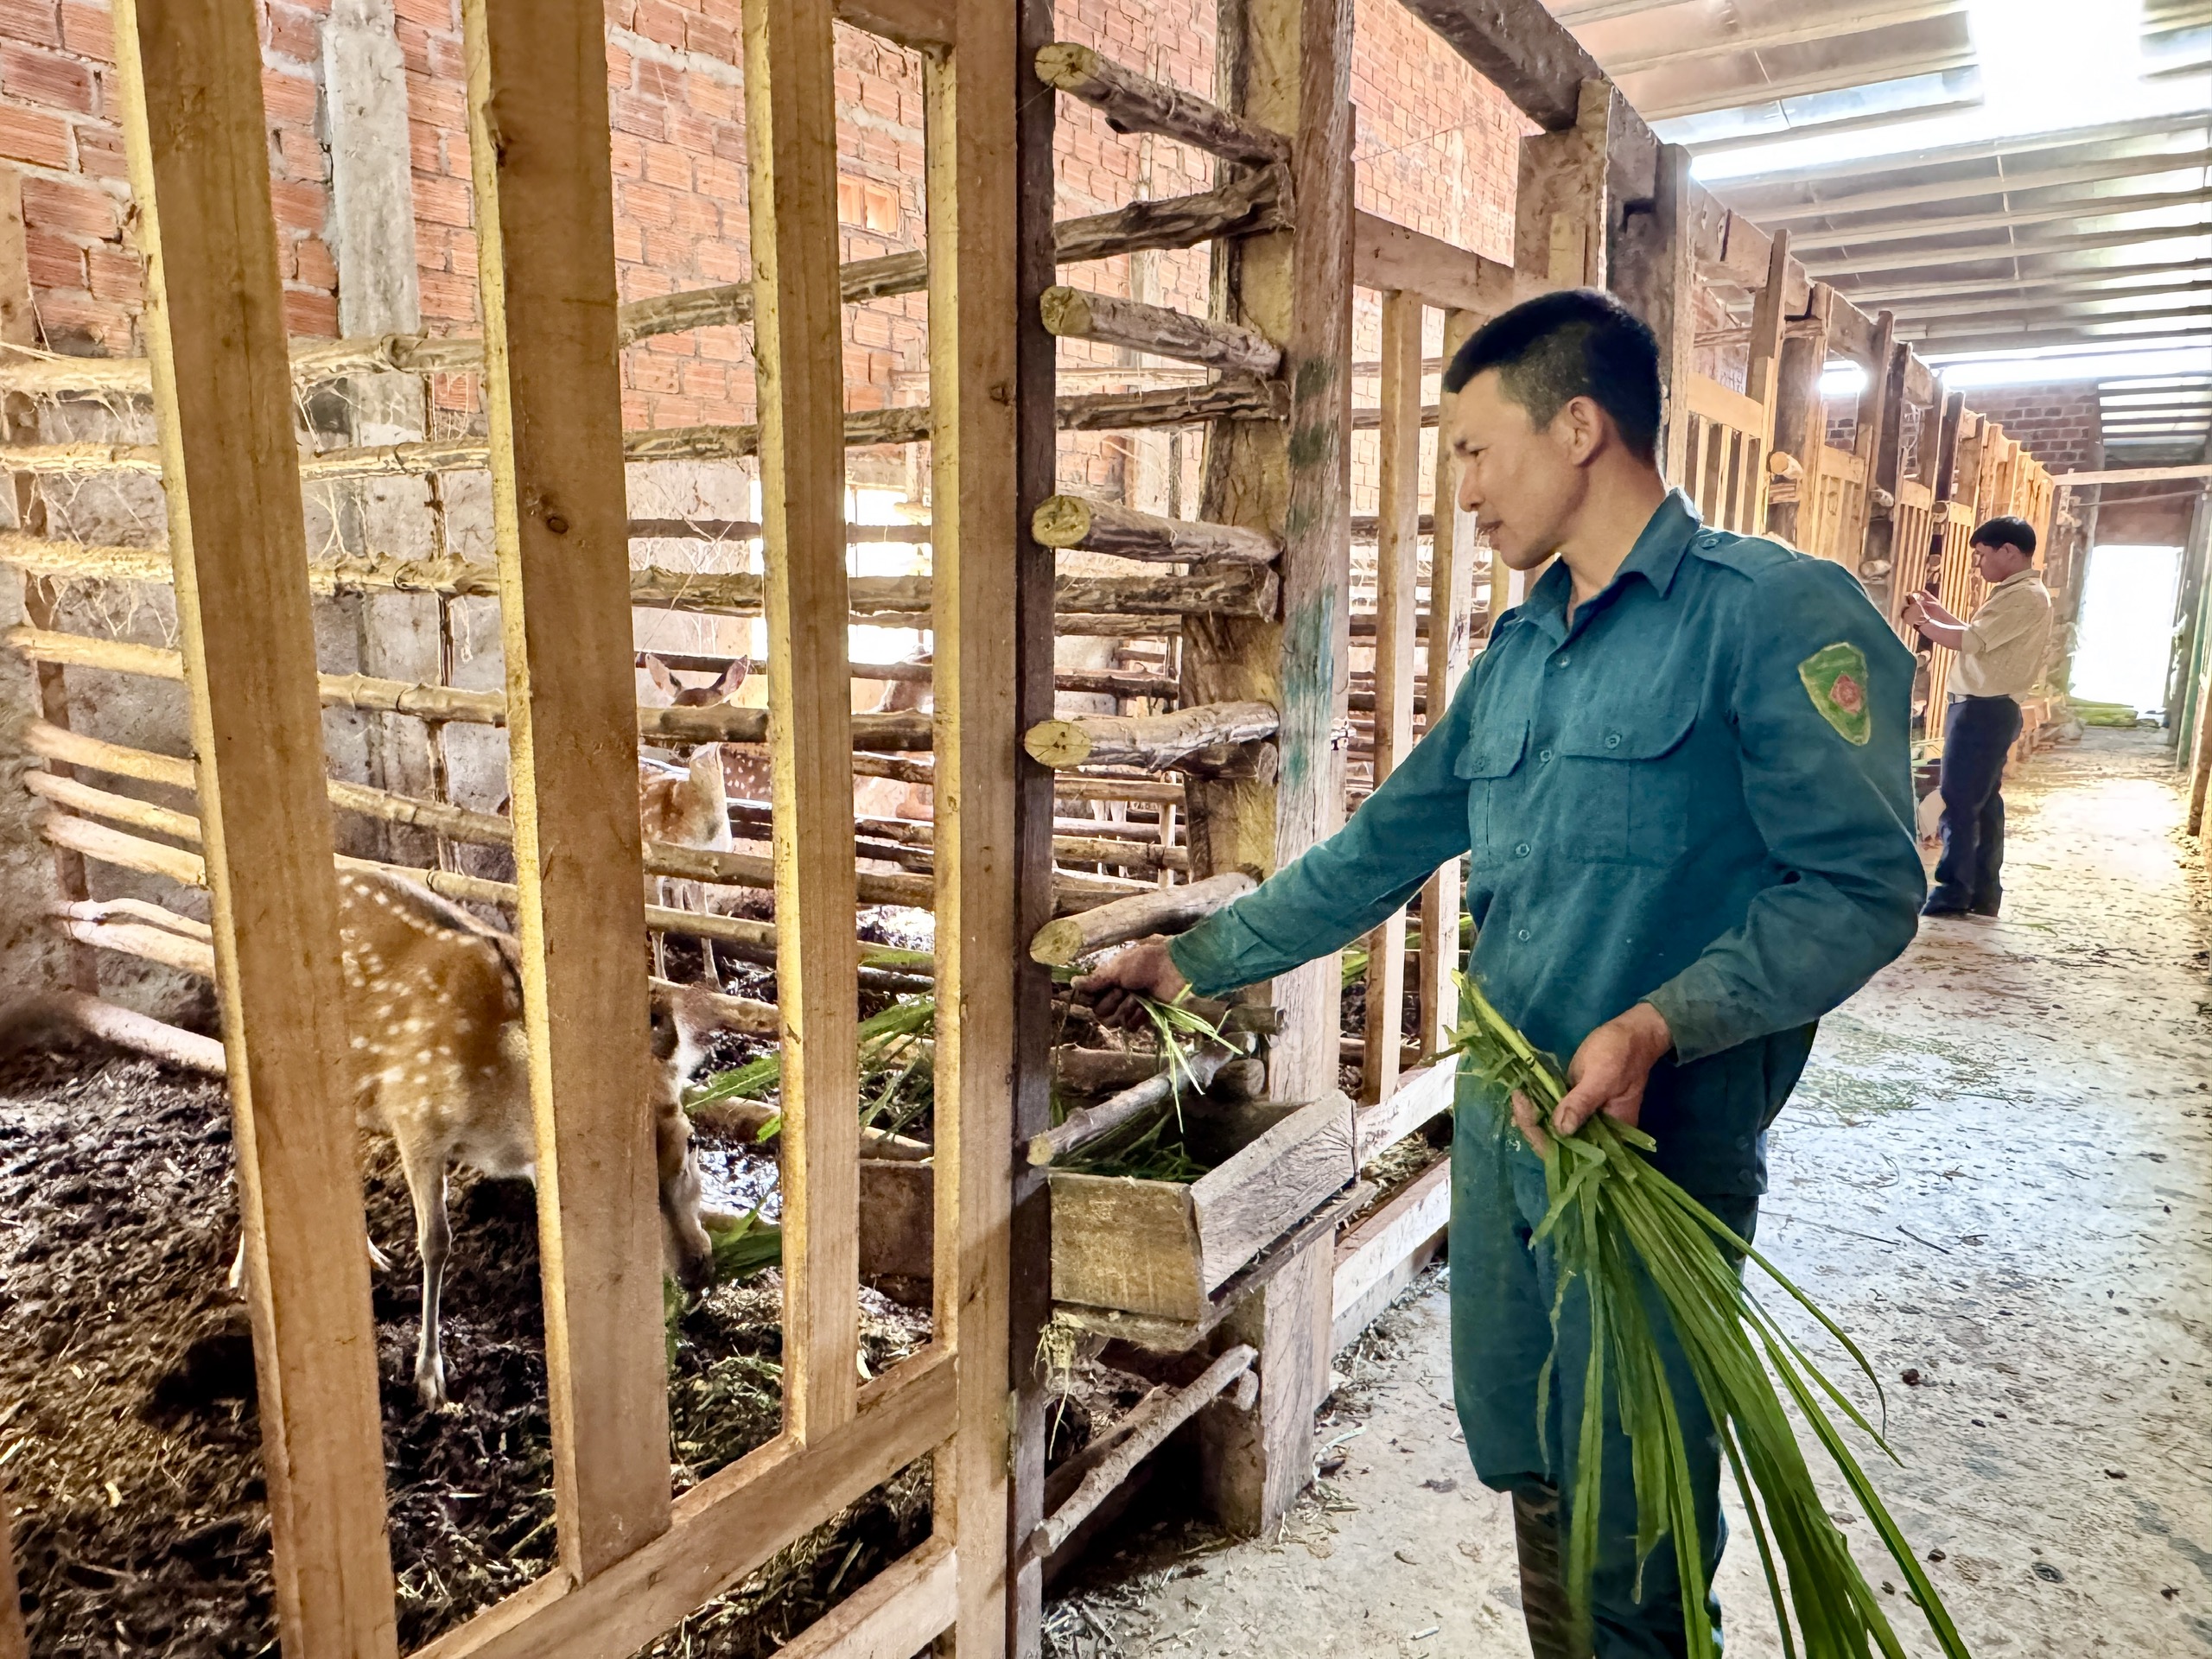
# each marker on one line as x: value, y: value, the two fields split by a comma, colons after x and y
x: 1835, y: 679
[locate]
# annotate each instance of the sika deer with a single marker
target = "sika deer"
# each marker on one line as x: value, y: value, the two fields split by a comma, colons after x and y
x: 434, y: 1007
x: 688, y: 808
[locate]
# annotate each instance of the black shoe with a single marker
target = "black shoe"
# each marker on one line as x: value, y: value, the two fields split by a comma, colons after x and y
x: 1942, y: 911
x: 1989, y: 910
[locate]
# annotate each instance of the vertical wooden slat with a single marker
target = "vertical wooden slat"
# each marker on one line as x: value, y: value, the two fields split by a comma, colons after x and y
x: 978, y: 309
x: 537, y: 115
x: 1397, y: 549
x: 1450, y: 589
x: 1800, y: 419
x: 1030, y: 1222
x: 1653, y: 268
x: 197, y: 141
x: 797, y: 325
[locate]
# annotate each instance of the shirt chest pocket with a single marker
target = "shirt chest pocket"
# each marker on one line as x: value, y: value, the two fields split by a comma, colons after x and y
x: 1625, y: 789
x: 1489, y: 765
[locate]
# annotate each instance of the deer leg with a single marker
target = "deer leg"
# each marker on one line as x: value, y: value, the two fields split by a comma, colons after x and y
x: 426, y: 1185
x: 660, y: 940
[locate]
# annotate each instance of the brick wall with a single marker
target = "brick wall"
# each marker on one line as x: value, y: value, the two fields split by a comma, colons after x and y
x: 1437, y: 149
x: 59, y: 127
x: 2057, y: 425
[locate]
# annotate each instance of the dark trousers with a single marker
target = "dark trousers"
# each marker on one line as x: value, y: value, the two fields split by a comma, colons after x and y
x: 1978, y: 734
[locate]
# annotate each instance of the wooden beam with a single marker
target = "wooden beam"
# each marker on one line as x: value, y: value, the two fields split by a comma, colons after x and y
x: 790, y: 116
x: 1800, y: 413
x: 721, y: 1529
x: 1520, y: 49
x: 2132, y: 475
x: 1076, y: 314
x: 901, y: 1611
x: 1652, y: 268
x: 923, y: 24
x: 1394, y: 258
x: 1399, y: 509
x: 1155, y: 742
x: 1168, y: 910
x: 983, y: 462
x: 1378, y: 1257
x: 196, y: 138
x: 1135, y: 102
x: 553, y: 398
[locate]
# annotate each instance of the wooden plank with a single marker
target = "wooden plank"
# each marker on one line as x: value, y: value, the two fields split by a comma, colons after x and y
x: 1127, y: 1244
x: 1731, y: 408
x: 1380, y: 1257
x: 553, y: 397
x: 1450, y: 646
x: 1256, y: 1463
x: 1245, y: 1203
x: 197, y: 147
x: 1420, y: 1096
x: 1801, y: 415
x: 790, y: 120
x: 1520, y: 48
x: 722, y: 1528
x: 895, y: 1615
x: 1394, y: 258
x: 992, y: 801
x: 1396, y: 580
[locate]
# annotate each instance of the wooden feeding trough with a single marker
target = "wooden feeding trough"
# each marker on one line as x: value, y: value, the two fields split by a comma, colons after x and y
x: 1168, y: 1249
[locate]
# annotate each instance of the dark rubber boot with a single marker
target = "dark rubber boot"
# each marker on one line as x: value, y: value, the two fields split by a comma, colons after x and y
x: 1543, y: 1577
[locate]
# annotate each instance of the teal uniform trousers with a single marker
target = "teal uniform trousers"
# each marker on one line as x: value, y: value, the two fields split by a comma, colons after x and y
x: 1695, y: 792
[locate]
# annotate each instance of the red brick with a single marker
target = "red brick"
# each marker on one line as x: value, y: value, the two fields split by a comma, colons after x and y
x: 442, y: 201
x: 46, y: 79
x: 38, y: 22
x: 28, y: 135
x: 82, y: 211
x: 647, y: 203
x: 99, y: 151
x: 447, y: 61
x: 461, y: 253
x: 313, y: 263
x: 675, y: 411
x: 657, y: 21
x: 711, y: 39
x: 300, y: 206
x: 293, y: 33
x: 425, y: 148
x: 289, y: 97
x: 88, y: 30
x: 446, y: 296
x: 55, y: 261
x: 435, y: 16
x: 303, y: 154
x: 70, y: 319
x: 630, y: 113
x: 659, y: 80
x: 667, y: 165
x: 118, y: 275
x: 310, y: 312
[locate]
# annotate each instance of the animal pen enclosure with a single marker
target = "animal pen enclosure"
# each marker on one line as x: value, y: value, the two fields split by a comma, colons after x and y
x: 1263, y: 673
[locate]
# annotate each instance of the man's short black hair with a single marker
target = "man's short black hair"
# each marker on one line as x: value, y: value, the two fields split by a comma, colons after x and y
x: 2007, y: 532
x: 1577, y: 343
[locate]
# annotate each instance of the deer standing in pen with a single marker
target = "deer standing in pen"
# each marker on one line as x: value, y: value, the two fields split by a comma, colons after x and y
x: 439, y: 1063
x: 690, y: 807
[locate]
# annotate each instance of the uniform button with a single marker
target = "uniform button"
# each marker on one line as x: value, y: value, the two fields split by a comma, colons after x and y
x: 1522, y: 851
x: 1543, y: 754
x: 1709, y: 540
x: 1522, y: 936
x: 1612, y: 739
x: 1559, y: 661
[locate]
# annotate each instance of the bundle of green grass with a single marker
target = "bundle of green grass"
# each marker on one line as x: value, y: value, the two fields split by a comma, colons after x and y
x: 1613, y: 1216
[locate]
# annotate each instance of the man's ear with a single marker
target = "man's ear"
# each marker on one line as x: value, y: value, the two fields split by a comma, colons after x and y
x: 1586, y: 428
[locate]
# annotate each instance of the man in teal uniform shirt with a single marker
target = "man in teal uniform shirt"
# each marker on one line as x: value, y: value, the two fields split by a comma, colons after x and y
x: 1680, y: 773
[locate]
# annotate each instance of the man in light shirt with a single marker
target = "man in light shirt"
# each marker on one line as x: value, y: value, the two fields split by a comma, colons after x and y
x: 2000, y: 657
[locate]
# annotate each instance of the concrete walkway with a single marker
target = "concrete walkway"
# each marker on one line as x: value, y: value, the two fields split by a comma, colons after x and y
x: 1996, y: 1176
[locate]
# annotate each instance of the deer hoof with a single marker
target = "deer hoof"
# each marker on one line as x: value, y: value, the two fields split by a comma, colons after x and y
x: 430, y: 1384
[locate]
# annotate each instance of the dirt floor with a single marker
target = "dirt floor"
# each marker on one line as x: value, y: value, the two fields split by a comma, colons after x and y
x: 1995, y: 1174
x: 128, y: 1439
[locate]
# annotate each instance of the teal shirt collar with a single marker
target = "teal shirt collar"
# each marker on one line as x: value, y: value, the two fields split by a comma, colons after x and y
x: 1656, y: 557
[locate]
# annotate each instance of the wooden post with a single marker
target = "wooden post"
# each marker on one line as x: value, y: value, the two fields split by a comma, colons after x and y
x: 1799, y: 416
x: 1653, y: 268
x: 1451, y: 644
x: 1285, y: 64
x: 983, y: 308
x: 19, y: 425
x: 196, y: 138
x: 14, y: 1642
x: 791, y: 123
x: 1030, y: 1222
x: 1395, y: 581
x: 1883, y: 447
x: 537, y: 115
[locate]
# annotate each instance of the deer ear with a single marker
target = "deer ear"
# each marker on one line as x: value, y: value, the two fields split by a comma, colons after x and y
x: 733, y: 677
x: 656, y: 670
